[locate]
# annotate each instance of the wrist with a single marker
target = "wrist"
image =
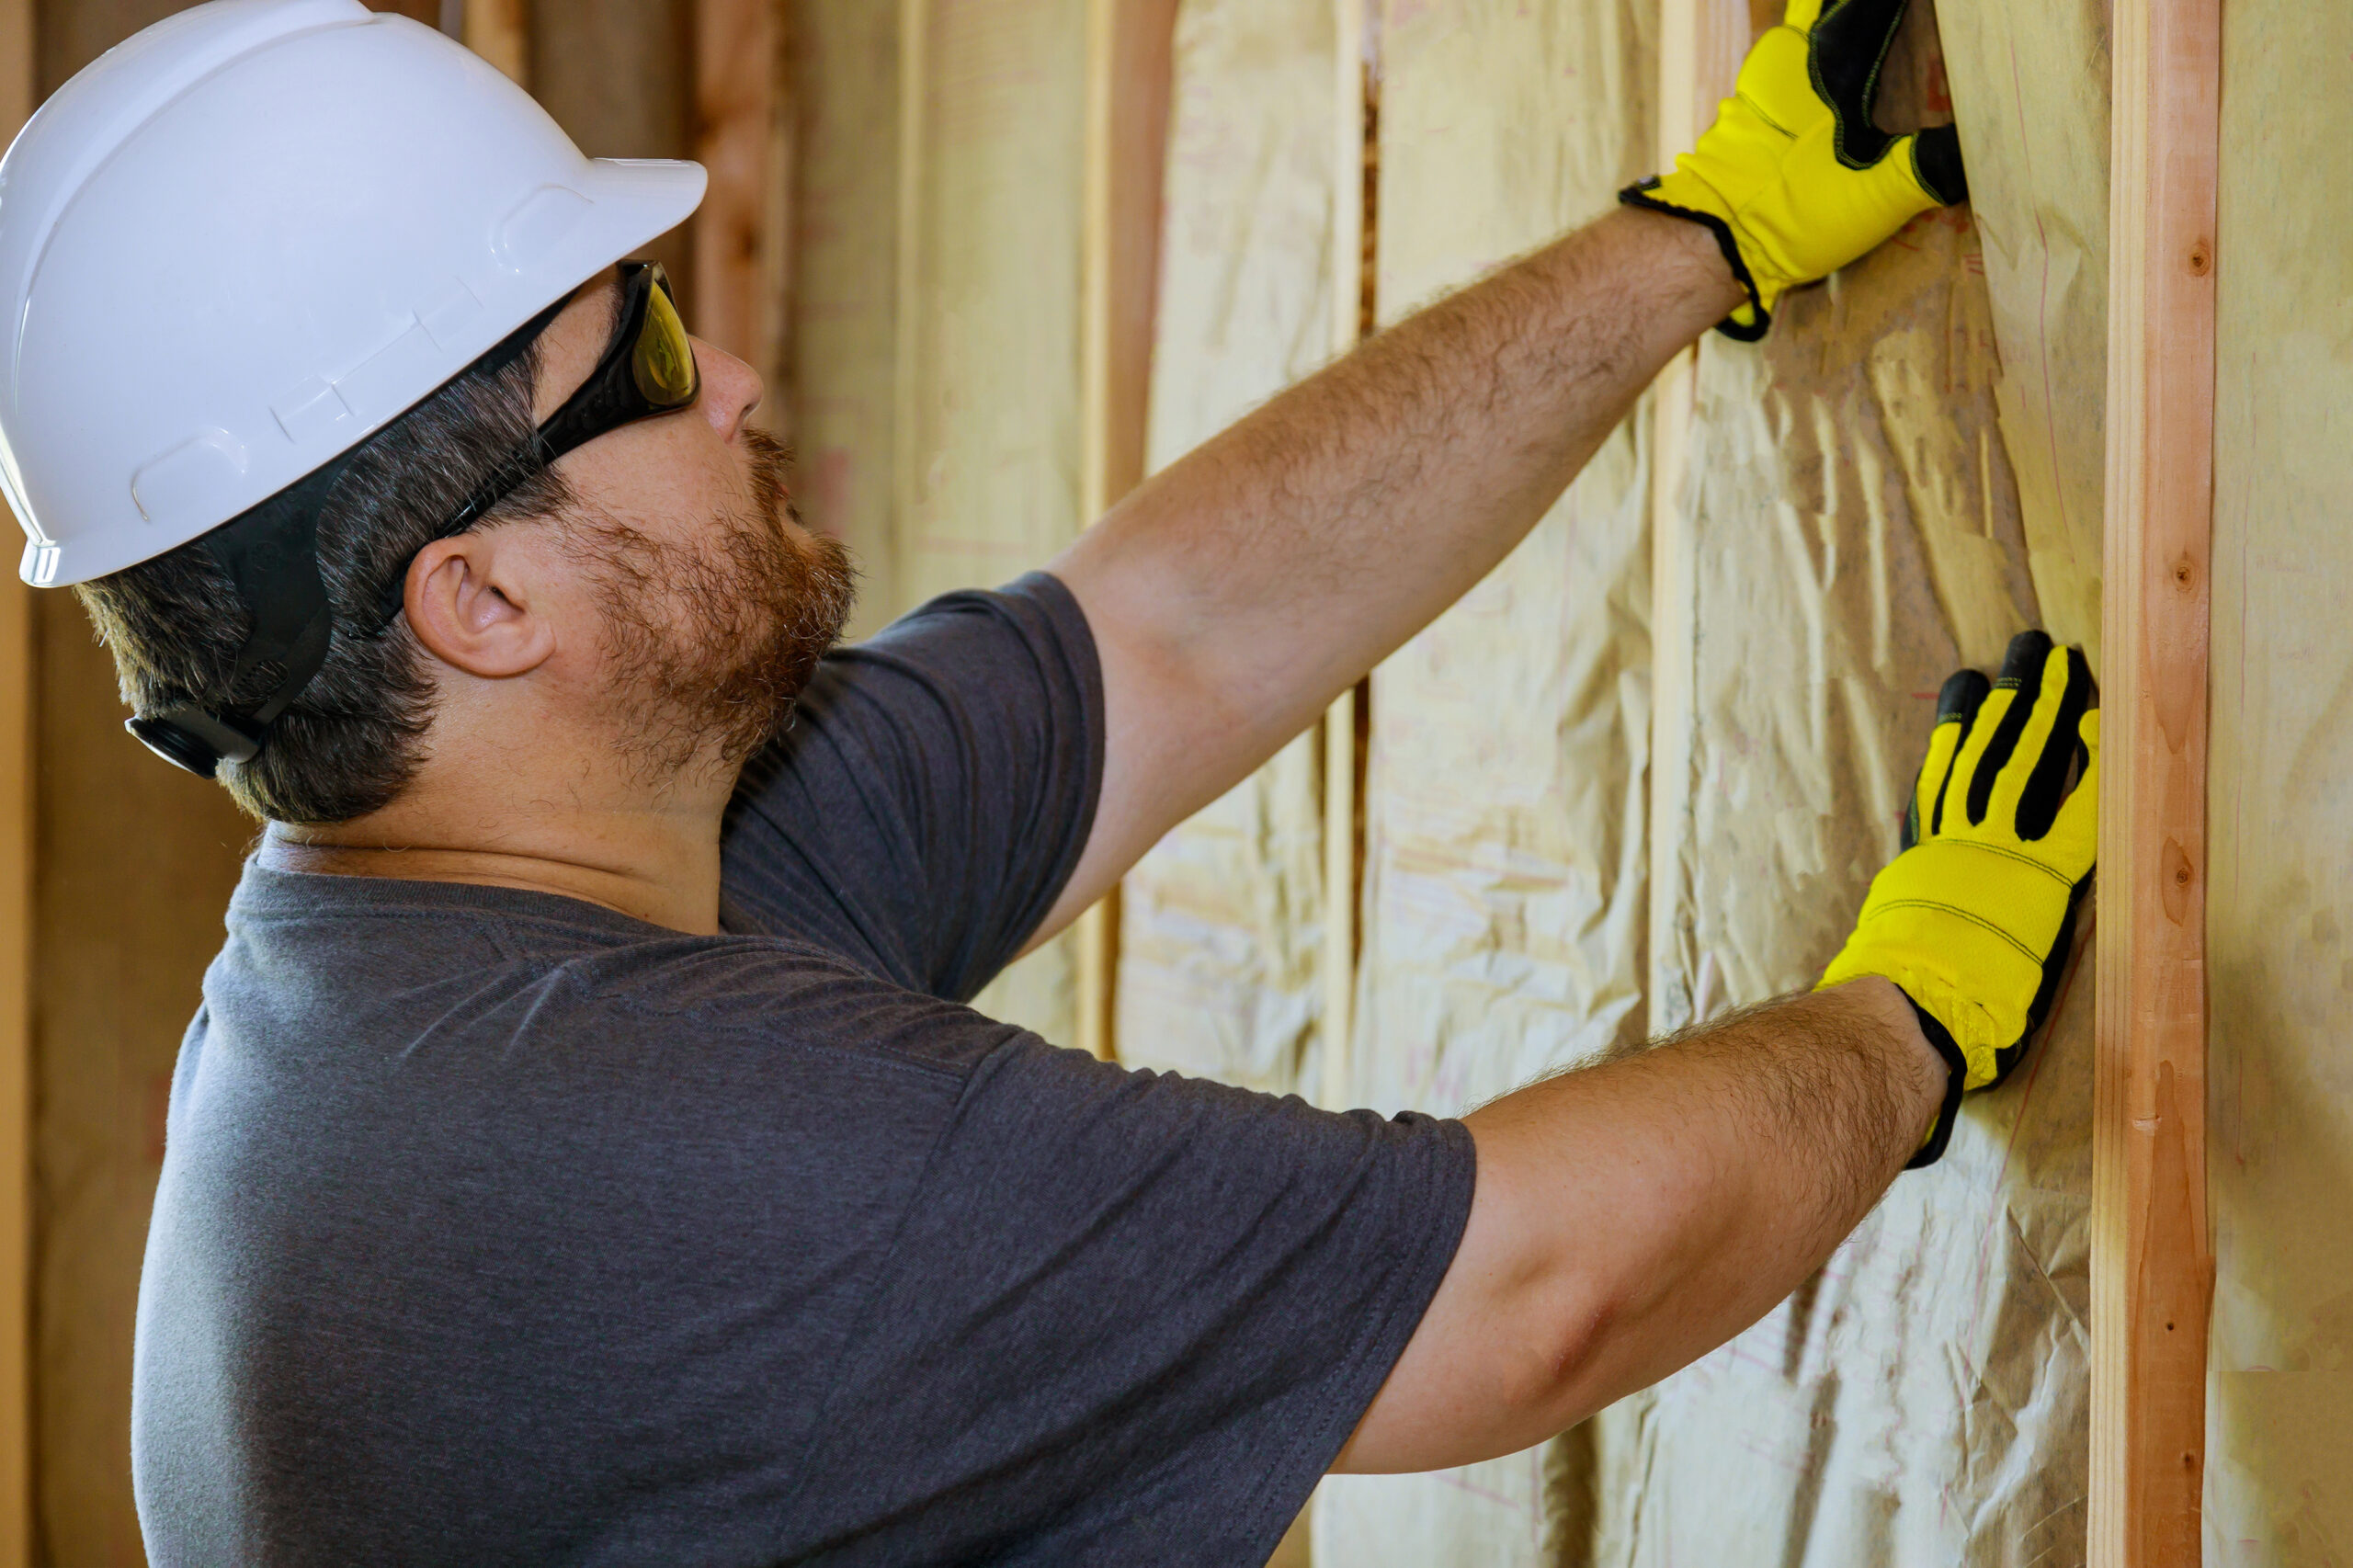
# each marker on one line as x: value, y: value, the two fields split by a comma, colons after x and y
x: 1930, y: 1071
x: 1687, y: 262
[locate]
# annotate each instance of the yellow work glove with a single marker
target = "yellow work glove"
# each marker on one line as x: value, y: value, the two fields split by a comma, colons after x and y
x: 1793, y: 178
x: 1973, y: 919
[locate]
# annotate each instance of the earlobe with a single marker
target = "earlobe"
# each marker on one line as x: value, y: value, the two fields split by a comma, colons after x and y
x: 470, y: 611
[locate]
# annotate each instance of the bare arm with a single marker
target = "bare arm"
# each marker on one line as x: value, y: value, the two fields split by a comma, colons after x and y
x: 1632, y: 1217
x: 1241, y: 590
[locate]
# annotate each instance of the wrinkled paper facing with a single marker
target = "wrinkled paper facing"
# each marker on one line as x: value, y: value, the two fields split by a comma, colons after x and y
x: 988, y: 399
x: 1221, y: 923
x: 1854, y: 531
x: 2279, y: 903
x: 1504, y: 902
x: 1855, y: 534
x: 1924, y: 1399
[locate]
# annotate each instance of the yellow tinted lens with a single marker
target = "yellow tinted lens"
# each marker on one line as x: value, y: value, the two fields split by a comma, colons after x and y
x: 663, y: 363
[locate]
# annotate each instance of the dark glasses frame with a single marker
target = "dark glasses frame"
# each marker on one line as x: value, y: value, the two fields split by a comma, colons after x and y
x: 647, y: 370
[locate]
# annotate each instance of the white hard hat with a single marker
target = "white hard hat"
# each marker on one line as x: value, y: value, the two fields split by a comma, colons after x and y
x: 237, y: 245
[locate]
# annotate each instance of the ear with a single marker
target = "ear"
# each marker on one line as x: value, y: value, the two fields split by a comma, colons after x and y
x: 471, y: 604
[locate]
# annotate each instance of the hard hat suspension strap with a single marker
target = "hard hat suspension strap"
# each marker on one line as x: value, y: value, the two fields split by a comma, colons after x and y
x: 271, y: 554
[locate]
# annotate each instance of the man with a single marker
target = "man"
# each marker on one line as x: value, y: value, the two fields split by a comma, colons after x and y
x: 582, y: 1154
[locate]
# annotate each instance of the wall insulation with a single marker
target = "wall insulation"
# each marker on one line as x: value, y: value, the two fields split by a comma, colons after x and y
x: 1219, y: 924
x: 984, y: 454
x: 2280, y: 898
x: 1853, y: 533
x: 1503, y: 901
x: 1850, y: 531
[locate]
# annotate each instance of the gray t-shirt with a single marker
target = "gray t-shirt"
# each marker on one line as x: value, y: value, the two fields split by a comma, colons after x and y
x: 496, y: 1227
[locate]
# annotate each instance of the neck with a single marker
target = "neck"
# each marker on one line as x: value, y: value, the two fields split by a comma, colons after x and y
x: 652, y: 855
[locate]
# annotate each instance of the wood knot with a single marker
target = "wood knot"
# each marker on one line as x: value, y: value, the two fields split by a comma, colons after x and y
x: 2201, y: 259
x: 2178, y: 874
x: 2185, y: 574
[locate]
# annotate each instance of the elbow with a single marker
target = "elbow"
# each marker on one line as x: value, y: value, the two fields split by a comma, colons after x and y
x: 1575, y: 1321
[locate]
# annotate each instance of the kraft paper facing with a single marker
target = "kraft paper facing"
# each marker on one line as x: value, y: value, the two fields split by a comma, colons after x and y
x: 2280, y: 902
x: 1856, y: 534
x: 1219, y: 924
x: 2031, y: 86
x: 1506, y: 856
x: 988, y: 482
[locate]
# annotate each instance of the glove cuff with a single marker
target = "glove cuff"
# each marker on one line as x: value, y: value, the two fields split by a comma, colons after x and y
x: 1957, y: 1066
x: 1642, y: 195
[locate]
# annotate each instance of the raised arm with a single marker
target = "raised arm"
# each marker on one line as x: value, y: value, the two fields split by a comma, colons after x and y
x: 1242, y: 589
x: 1246, y: 586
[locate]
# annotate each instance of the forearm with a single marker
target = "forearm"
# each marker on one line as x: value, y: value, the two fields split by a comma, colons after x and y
x: 1632, y: 1217
x: 1270, y: 569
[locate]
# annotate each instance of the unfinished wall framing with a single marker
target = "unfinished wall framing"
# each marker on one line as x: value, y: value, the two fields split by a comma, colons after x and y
x: 1720, y: 649
x: 1221, y: 923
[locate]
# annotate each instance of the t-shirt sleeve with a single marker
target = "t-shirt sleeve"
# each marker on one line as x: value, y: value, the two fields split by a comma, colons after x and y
x: 934, y: 793
x: 1136, y: 1286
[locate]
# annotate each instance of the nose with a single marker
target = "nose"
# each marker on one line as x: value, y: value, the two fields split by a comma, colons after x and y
x: 731, y: 388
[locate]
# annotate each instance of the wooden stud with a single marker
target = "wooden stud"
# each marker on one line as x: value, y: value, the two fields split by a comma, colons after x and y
x: 500, y: 31
x: 743, y: 231
x: 1130, y: 66
x: 1130, y: 76
x: 1702, y: 44
x: 906, y: 468
x: 2152, y: 1259
x: 1356, y: 172
x: 17, y: 91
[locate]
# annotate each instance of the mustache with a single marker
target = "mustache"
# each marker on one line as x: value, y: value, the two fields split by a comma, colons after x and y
x: 771, y: 461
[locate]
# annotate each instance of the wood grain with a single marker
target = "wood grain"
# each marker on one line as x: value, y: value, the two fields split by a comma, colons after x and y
x: 2152, y: 1264
x: 1130, y: 45
x: 17, y: 96
x: 1355, y: 153
x: 500, y: 31
x: 743, y: 231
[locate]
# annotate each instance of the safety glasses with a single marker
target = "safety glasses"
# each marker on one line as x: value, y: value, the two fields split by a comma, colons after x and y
x: 647, y: 370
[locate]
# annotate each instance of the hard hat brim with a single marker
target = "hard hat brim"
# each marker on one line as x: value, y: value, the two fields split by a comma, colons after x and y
x: 556, y: 239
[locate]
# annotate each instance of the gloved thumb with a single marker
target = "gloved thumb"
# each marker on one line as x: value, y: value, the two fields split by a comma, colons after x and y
x: 1935, y: 161
x: 2073, y: 839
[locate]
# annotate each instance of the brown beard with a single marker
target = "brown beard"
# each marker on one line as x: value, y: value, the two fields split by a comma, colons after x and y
x: 710, y: 647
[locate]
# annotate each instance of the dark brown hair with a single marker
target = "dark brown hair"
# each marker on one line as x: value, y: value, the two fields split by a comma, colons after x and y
x: 354, y: 735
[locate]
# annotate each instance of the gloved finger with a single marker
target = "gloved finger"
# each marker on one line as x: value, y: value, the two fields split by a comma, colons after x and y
x: 1801, y: 15
x: 1936, y: 164
x: 1849, y: 42
x: 1957, y: 704
x: 2030, y: 789
x: 2003, y: 720
x: 2072, y: 846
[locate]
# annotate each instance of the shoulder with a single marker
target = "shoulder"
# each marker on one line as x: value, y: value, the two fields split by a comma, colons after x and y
x: 770, y: 992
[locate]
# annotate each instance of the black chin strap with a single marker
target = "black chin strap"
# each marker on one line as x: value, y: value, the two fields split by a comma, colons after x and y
x: 271, y: 554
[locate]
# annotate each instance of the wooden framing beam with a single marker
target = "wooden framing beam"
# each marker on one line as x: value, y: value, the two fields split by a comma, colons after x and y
x: 1702, y: 44
x: 19, y: 90
x: 1129, y: 77
x: 743, y: 231
x: 1356, y: 175
x: 2152, y: 1259
x: 500, y: 31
